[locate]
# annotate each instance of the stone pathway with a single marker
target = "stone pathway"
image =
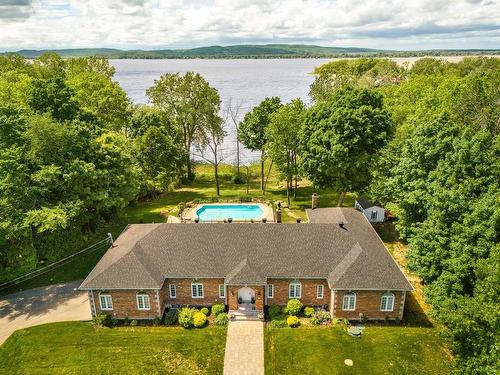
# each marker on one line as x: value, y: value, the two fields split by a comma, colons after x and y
x: 48, y: 304
x: 244, y: 348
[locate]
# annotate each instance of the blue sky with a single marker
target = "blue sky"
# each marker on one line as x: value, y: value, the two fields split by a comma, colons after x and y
x: 153, y: 24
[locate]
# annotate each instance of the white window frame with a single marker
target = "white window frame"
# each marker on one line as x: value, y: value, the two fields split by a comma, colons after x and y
x: 108, y: 304
x: 198, y: 294
x: 293, y: 287
x: 346, y: 303
x: 320, y: 287
x: 222, y: 288
x: 387, y: 296
x: 144, y: 299
x: 173, y: 288
x: 373, y: 215
x: 270, y: 291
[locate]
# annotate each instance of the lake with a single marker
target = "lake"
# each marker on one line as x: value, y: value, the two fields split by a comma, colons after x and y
x: 248, y: 81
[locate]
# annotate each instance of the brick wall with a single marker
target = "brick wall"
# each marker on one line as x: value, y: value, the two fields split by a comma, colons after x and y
x: 309, y: 292
x: 125, y: 304
x: 184, y: 297
x: 368, y: 303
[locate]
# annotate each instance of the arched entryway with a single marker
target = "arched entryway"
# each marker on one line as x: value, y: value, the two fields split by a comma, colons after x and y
x: 246, y: 296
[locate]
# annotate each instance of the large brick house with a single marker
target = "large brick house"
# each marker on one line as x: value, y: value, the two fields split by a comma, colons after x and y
x: 336, y: 261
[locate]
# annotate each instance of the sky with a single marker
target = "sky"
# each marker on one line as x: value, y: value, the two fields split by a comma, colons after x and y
x: 157, y: 24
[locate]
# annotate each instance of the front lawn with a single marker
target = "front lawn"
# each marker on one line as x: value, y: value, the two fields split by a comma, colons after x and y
x: 381, y: 350
x: 78, y: 348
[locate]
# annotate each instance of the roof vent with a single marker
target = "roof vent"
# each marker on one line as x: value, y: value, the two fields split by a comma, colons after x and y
x: 342, y: 225
x: 299, y: 220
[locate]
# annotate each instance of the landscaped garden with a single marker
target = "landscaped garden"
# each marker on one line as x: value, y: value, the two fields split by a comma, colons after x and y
x: 80, y: 348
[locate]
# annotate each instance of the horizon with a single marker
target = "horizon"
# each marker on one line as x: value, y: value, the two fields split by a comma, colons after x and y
x: 185, y: 24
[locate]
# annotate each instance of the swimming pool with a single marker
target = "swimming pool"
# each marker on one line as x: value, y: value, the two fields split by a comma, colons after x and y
x: 219, y: 212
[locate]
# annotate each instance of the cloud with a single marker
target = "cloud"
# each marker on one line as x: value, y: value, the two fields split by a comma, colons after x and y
x: 396, y: 24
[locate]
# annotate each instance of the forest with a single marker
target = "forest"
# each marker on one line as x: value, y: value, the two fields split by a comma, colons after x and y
x: 421, y: 139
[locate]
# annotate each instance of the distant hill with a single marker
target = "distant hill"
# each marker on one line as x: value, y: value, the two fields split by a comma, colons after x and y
x: 244, y: 51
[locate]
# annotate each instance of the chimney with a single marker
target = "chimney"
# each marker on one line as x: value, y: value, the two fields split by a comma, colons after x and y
x: 314, y: 201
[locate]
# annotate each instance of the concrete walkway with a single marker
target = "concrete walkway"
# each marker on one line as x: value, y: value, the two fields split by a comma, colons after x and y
x: 244, y: 348
x: 53, y: 303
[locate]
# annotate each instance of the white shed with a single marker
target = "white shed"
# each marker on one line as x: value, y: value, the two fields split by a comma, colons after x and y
x: 374, y: 213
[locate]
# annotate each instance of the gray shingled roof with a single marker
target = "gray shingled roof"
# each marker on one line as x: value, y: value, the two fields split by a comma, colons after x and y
x: 364, y: 203
x: 244, y: 253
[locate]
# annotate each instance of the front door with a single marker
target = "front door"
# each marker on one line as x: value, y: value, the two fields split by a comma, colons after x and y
x: 245, y: 295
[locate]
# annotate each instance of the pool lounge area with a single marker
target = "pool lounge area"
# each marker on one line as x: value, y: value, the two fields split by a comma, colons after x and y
x: 236, y: 212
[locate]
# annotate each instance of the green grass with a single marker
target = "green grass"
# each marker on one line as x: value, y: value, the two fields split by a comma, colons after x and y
x: 78, y: 348
x: 203, y: 187
x: 381, y: 350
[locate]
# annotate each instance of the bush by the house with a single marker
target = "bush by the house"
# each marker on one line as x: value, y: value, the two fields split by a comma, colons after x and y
x: 102, y: 320
x: 346, y: 321
x: 293, y: 307
x: 185, y: 316
x: 170, y: 317
x: 114, y: 321
x: 126, y: 321
x: 336, y: 321
x: 363, y: 318
x: 199, y: 319
x: 133, y: 323
x: 321, y: 317
x: 205, y: 311
x: 274, y: 311
x: 292, y: 321
x: 309, y: 311
x: 278, y: 323
x: 156, y: 321
x: 218, y: 308
x: 221, y: 319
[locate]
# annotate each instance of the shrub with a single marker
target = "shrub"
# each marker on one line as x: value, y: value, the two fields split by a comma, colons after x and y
x: 363, y: 318
x: 199, y: 319
x: 292, y: 321
x: 309, y: 311
x: 156, y: 321
x: 218, y: 308
x: 102, y: 320
x: 185, y: 317
x: 222, y: 319
x: 114, y: 321
x: 320, y: 317
x: 237, y: 179
x: 205, y: 311
x: 278, y: 323
x: 133, y: 323
x: 336, y: 321
x: 170, y: 317
x: 126, y: 321
x: 398, y: 320
x: 274, y: 311
x: 346, y: 321
x: 293, y: 307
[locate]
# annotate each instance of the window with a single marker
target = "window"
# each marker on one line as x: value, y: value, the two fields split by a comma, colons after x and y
x: 387, y: 302
x: 197, y: 290
x: 319, y: 291
x: 374, y: 215
x: 270, y: 291
x: 294, y: 291
x: 222, y: 291
x: 173, y: 291
x: 349, y: 303
x: 106, y: 302
x: 143, y: 302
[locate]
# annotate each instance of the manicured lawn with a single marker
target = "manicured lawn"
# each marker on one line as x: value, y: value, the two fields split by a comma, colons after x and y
x: 77, y: 348
x: 381, y: 350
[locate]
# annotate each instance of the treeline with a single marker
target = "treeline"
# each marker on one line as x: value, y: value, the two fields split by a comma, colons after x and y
x: 440, y: 174
x: 74, y: 150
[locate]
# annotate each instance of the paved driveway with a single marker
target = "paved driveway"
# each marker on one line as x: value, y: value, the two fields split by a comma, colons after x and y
x: 54, y: 303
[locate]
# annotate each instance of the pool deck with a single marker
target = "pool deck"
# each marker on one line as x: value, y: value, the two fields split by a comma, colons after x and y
x: 189, y: 214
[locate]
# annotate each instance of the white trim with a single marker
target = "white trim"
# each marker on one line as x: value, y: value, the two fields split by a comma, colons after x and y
x: 386, y: 296
x: 170, y: 291
x: 270, y: 295
x: 295, y: 294
x: 109, y: 304
x: 349, y: 296
x: 318, y: 288
x: 145, y: 301
x: 197, y: 290
x: 223, y: 289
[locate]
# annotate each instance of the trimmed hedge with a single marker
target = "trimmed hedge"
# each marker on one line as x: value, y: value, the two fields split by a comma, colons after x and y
x: 218, y: 308
x: 292, y: 321
x: 199, y: 319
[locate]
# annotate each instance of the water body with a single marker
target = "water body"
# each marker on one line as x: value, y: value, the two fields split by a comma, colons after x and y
x: 248, y: 81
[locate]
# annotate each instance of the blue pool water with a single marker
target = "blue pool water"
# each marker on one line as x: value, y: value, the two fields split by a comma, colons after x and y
x: 217, y: 212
